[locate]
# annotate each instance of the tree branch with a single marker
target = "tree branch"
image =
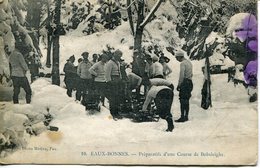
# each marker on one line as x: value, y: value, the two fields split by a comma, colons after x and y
x: 150, y: 15
x: 122, y: 8
x: 130, y: 17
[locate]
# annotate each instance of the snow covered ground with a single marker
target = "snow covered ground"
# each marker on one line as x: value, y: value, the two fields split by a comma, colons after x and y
x: 229, y: 126
x: 224, y: 131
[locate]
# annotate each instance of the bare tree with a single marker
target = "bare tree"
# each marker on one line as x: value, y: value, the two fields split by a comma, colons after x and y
x: 138, y: 7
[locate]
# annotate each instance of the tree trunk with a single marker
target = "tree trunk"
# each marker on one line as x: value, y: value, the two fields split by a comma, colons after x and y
x: 138, y: 62
x: 56, y: 45
x: 130, y: 17
x: 49, y: 38
x: 49, y: 47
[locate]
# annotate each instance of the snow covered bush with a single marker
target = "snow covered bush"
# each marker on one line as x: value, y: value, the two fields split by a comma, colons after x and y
x: 90, y: 17
x: 13, y: 32
x: 196, y: 21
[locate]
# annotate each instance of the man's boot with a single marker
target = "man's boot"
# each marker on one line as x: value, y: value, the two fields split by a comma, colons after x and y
x: 186, y: 118
x: 181, y: 119
x: 170, y: 124
x: 28, y: 99
x: 15, y: 100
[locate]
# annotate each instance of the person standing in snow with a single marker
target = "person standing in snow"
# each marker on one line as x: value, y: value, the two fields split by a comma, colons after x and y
x: 85, y: 76
x: 98, y: 71
x: 166, y: 69
x: 163, y: 98
x: 148, y: 67
x: 18, y: 74
x: 185, y: 85
x: 133, y: 83
x: 78, y: 80
x: 70, y: 75
x: 114, y: 83
x: 157, y: 68
x: 148, y: 71
x: 94, y: 59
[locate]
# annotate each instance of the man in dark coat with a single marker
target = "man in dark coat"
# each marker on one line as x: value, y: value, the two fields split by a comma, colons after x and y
x: 70, y: 75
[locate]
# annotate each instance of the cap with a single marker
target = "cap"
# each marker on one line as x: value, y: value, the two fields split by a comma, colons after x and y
x: 85, y: 53
x: 103, y: 56
x: 155, y: 58
x: 71, y: 57
x: 179, y: 54
x: 118, y: 53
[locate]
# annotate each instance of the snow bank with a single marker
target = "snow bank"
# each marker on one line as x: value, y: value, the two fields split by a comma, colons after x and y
x: 160, y: 30
x: 231, y: 119
x: 120, y: 38
x: 80, y: 131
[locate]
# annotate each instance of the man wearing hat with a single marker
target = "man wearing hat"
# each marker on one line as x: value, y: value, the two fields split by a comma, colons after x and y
x: 70, y: 75
x: 157, y: 68
x: 114, y: 83
x: 85, y: 76
x: 185, y: 85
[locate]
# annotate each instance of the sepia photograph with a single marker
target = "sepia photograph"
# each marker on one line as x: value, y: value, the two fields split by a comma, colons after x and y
x: 129, y: 82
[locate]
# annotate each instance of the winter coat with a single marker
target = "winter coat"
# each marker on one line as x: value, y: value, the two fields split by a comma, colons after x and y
x: 185, y: 71
x: 112, y: 68
x: 83, y: 70
x: 98, y: 70
x: 70, y: 70
x: 18, y: 64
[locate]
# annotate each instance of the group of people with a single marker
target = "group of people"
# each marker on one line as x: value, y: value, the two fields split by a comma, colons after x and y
x: 109, y: 78
x: 107, y: 75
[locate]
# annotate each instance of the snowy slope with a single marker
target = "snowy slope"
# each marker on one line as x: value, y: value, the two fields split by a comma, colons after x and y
x: 231, y: 122
x: 228, y: 127
x: 162, y: 32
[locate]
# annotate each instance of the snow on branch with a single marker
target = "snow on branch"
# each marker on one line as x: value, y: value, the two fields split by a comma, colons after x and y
x: 150, y: 15
x: 122, y: 8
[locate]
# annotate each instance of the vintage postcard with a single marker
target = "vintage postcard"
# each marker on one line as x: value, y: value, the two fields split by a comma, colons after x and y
x: 128, y: 82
